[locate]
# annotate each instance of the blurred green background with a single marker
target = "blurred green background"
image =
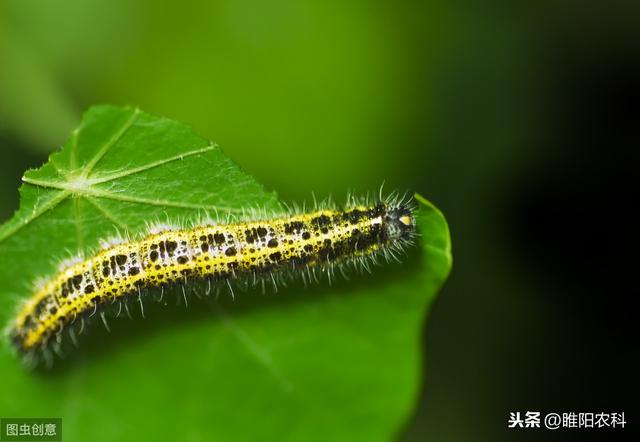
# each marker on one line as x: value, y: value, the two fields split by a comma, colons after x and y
x: 518, y: 120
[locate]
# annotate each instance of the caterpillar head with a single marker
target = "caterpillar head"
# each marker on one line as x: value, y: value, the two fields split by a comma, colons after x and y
x: 400, y: 221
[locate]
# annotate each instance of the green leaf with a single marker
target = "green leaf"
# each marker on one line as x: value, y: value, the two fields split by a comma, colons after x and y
x: 338, y: 362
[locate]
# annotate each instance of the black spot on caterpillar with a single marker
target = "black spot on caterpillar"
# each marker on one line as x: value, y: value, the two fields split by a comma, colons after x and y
x: 254, y: 250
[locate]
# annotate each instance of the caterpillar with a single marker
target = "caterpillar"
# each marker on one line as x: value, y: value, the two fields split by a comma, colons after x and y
x: 211, y: 254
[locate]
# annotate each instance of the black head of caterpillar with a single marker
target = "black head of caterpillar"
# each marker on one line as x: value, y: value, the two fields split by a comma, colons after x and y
x: 246, y: 252
x: 399, y: 222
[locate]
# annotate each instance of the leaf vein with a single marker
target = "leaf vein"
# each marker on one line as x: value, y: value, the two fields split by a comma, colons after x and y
x: 78, y: 223
x: 110, y: 143
x: 132, y: 171
x: 92, y: 191
x: 110, y: 216
x: 11, y: 229
x: 258, y: 351
x: 73, y: 160
x: 156, y: 202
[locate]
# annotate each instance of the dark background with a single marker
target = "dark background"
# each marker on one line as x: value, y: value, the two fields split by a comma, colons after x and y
x: 549, y: 317
x: 519, y: 120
